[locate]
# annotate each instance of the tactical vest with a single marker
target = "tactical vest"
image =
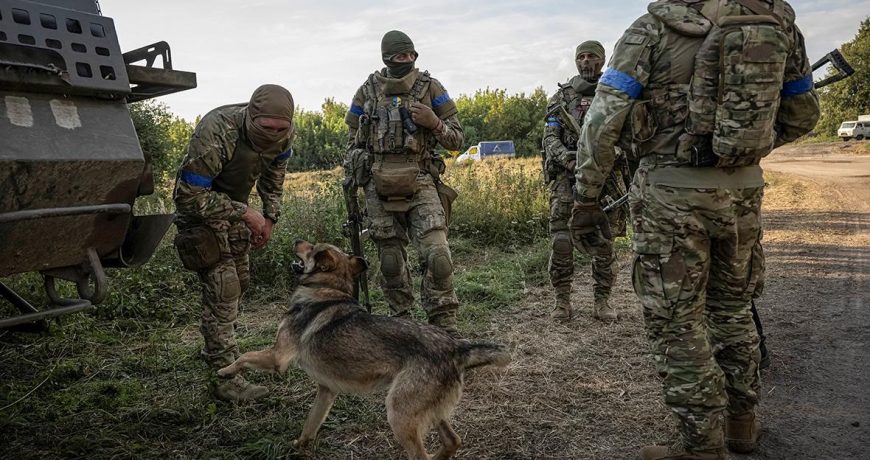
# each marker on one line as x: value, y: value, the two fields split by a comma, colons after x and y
x: 696, y: 115
x: 238, y: 176
x: 575, y: 105
x: 398, y: 146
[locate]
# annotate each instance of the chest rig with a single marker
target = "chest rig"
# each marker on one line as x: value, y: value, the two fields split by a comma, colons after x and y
x: 397, y: 145
x: 574, y: 105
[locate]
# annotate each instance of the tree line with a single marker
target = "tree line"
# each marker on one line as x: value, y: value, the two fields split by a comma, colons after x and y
x: 486, y: 115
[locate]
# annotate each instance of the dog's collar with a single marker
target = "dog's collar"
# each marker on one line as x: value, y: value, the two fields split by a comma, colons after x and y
x: 323, y: 304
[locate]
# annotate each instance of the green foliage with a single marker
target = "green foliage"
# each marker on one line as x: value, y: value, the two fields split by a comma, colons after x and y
x: 847, y: 99
x: 493, y: 115
x: 321, y: 137
x: 163, y: 137
x: 501, y: 202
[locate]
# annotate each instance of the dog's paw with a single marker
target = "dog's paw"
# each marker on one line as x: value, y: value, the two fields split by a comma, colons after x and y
x: 226, y: 371
x: 302, y: 444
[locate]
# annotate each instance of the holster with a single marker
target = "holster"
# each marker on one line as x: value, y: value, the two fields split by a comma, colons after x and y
x: 198, y: 247
x: 447, y: 195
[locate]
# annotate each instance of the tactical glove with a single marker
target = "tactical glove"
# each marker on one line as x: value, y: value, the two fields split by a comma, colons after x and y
x: 424, y: 116
x: 588, y: 217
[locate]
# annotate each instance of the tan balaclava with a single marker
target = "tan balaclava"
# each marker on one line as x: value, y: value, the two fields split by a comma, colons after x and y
x: 270, y: 101
x: 590, y: 70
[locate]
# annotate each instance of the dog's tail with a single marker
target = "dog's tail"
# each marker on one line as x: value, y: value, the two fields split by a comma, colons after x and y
x: 481, y: 354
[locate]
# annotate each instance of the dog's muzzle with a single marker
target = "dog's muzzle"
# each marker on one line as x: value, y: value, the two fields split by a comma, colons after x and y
x: 298, y: 267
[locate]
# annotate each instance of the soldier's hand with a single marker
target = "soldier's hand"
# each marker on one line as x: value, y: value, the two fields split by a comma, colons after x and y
x: 260, y: 240
x: 588, y: 217
x: 424, y: 116
x: 255, y: 221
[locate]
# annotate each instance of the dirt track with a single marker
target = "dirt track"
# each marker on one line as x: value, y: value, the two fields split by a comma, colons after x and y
x: 589, y: 391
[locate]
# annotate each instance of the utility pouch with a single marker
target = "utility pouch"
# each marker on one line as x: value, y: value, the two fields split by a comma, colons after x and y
x: 643, y: 125
x: 447, y: 195
x: 395, y: 176
x: 198, y: 247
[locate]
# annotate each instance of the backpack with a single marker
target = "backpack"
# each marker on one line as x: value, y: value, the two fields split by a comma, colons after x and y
x: 735, y: 90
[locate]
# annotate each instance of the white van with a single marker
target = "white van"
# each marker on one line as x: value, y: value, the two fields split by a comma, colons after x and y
x: 858, y: 130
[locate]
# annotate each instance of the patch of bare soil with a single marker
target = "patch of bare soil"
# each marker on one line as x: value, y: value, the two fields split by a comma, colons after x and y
x: 588, y: 390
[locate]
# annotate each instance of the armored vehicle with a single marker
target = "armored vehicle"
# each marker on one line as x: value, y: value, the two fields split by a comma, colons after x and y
x: 71, y: 165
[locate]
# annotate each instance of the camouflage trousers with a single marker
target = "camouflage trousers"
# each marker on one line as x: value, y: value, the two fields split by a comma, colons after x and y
x: 561, y: 264
x: 222, y: 288
x: 694, y: 275
x: 423, y: 224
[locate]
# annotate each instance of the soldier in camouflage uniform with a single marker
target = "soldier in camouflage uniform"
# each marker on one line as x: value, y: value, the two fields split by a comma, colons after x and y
x: 396, y: 119
x: 565, y: 112
x: 696, y: 197
x: 232, y: 148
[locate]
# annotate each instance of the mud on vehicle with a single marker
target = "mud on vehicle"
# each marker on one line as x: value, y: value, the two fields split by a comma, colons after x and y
x: 71, y: 165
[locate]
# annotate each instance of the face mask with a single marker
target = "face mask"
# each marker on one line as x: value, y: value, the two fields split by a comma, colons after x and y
x: 398, y: 69
x: 589, y: 68
x: 263, y: 139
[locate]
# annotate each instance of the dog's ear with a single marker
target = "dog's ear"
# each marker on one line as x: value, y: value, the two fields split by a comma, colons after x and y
x: 325, y: 260
x: 358, y: 264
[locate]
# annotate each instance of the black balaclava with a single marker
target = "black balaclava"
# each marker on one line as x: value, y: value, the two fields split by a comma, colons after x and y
x: 397, y: 42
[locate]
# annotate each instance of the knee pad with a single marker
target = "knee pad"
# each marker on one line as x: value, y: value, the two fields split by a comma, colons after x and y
x: 392, y: 261
x: 440, y: 265
x: 562, y: 245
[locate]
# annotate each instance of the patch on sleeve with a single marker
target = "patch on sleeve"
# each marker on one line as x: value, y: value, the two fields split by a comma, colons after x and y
x: 634, y: 39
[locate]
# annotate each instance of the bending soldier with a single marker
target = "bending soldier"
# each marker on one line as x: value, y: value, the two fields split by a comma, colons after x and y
x: 710, y: 87
x: 232, y: 148
x: 396, y: 119
x: 565, y: 113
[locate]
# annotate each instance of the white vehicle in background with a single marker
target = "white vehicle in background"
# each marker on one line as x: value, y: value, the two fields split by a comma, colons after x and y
x: 859, y: 129
x: 488, y: 149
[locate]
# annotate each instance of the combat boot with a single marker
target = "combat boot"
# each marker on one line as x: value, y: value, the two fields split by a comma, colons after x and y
x: 239, y: 389
x: 562, y: 308
x: 446, y: 320
x: 663, y: 453
x: 603, y: 311
x: 742, y: 432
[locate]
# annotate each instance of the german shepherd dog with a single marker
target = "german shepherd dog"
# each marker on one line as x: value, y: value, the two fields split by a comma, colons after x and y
x: 344, y: 349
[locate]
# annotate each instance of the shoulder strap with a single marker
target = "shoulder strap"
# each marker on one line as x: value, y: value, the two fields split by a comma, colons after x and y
x: 421, y: 86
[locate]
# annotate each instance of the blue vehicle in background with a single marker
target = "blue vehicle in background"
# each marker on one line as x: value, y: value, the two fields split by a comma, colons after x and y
x: 488, y: 149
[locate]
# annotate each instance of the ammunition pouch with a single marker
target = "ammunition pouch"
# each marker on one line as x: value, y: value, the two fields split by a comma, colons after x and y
x: 358, y: 166
x: 198, y: 247
x: 395, y: 177
x: 447, y: 195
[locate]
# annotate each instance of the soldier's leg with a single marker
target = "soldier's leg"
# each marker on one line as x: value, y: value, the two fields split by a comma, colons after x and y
x: 429, y: 235
x: 604, y: 271
x: 221, y: 290
x: 390, y: 237
x: 239, y: 237
x: 732, y: 330
x: 669, y: 276
x: 758, y: 270
x: 561, y: 264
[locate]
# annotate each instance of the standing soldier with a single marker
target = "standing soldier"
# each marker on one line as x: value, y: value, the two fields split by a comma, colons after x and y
x: 565, y: 113
x: 396, y: 119
x: 232, y: 148
x: 704, y: 89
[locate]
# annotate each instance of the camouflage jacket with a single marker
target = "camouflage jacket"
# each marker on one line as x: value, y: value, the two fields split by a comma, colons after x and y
x: 436, y: 97
x: 652, y: 66
x: 217, y: 140
x: 560, y: 135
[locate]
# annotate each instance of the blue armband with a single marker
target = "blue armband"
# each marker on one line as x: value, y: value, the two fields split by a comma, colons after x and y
x: 623, y: 82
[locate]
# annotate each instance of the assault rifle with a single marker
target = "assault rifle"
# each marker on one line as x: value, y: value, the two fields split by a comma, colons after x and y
x: 353, y: 230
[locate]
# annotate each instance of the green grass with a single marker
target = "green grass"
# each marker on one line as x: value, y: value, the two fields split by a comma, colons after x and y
x: 126, y: 379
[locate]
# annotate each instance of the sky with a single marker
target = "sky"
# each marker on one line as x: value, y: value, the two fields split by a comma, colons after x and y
x: 322, y: 49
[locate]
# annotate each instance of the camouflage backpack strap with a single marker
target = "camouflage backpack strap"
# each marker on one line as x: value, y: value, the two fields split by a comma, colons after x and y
x: 421, y: 86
